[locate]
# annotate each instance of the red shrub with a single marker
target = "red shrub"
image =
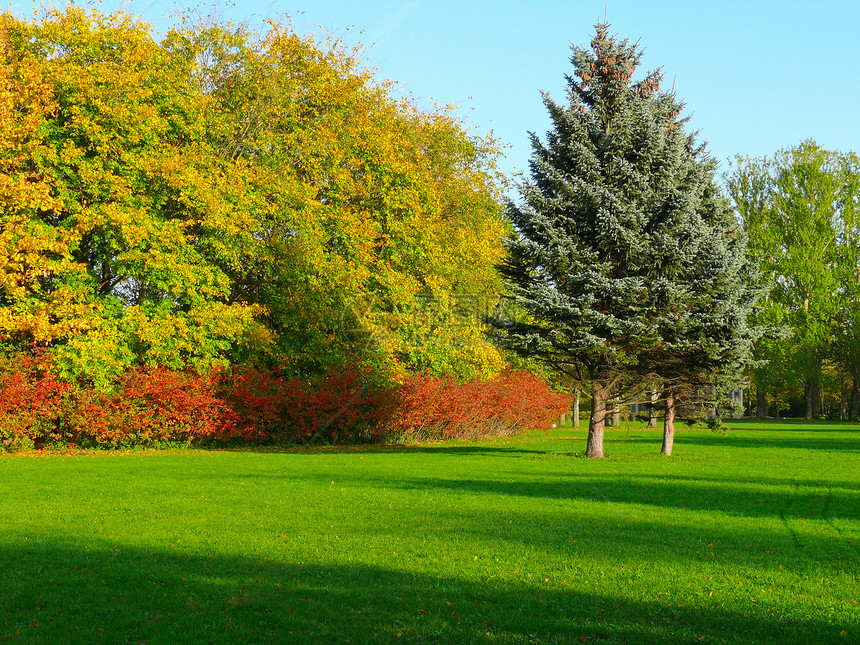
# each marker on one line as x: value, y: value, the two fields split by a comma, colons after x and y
x: 433, y: 408
x: 346, y: 405
x: 34, y: 404
x: 254, y: 397
x: 153, y: 406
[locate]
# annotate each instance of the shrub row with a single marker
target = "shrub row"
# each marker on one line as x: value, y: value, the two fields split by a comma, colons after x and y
x: 434, y: 409
x: 150, y: 407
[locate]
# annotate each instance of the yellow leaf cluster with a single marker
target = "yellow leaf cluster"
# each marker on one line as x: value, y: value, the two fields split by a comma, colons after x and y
x: 223, y: 195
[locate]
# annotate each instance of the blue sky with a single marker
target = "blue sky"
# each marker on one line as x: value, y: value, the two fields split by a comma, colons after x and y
x: 755, y: 75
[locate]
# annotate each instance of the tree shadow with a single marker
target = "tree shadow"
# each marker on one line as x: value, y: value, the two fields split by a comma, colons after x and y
x: 788, y: 425
x: 420, y: 448
x: 848, y: 442
x: 758, y: 481
x: 54, y: 592
x: 762, y: 437
x: 664, y: 492
x: 828, y: 444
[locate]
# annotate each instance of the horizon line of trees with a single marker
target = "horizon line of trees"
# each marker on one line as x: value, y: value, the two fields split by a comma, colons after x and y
x: 223, y: 196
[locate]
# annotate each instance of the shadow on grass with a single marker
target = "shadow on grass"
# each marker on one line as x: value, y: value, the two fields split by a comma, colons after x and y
x: 422, y: 448
x: 758, y: 481
x: 744, y: 433
x: 829, y: 444
x: 794, y: 424
x: 665, y: 492
x: 762, y: 439
x: 57, y: 593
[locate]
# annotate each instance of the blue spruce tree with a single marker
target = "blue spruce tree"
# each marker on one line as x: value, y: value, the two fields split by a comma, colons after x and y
x: 627, y: 260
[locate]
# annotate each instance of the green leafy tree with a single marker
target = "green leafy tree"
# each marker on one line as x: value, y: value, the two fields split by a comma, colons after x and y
x: 40, y: 298
x: 847, y: 346
x: 799, y: 209
x: 627, y: 258
x: 136, y: 207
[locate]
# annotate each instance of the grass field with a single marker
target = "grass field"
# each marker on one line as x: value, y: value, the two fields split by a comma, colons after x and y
x: 753, y: 537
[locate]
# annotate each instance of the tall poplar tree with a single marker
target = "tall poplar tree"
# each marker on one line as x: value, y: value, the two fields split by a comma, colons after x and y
x: 627, y: 259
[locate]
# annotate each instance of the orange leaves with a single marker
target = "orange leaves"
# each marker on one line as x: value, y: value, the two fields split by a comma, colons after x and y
x: 32, y: 254
x: 36, y: 277
x: 59, y: 315
x: 25, y: 97
x: 144, y: 406
x: 124, y: 235
x: 433, y: 408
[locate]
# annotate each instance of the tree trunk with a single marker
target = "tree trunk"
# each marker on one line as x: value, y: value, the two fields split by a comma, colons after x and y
x: 576, y: 409
x: 668, y: 426
x: 843, y: 400
x: 854, y: 401
x: 760, y: 403
x: 652, y: 410
x: 816, y: 400
x: 813, y: 400
x: 616, y: 416
x: 594, y: 447
x: 716, y: 411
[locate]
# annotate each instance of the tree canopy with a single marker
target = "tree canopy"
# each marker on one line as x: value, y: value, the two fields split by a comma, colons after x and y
x: 800, y: 211
x: 226, y: 195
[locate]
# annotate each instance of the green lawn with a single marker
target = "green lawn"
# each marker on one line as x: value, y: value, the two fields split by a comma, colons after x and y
x: 751, y: 537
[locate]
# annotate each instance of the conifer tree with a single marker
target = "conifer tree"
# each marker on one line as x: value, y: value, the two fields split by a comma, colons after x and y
x: 627, y: 259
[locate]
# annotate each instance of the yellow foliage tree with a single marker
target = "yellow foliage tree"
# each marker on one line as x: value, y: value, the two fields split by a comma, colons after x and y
x: 367, y: 207
x: 37, y: 276
x: 225, y: 195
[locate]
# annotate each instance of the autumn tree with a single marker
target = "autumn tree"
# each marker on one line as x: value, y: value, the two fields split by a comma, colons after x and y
x: 626, y: 256
x: 370, y: 214
x: 39, y: 298
x: 227, y: 195
x: 136, y: 195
